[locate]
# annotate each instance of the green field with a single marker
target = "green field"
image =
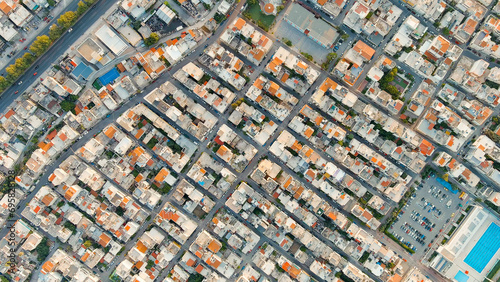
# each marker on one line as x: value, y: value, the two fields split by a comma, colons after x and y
x: 260, y: 18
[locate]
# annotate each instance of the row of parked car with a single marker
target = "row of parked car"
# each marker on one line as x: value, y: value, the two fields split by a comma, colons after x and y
x: 407, y: 243
x: 412, y: 232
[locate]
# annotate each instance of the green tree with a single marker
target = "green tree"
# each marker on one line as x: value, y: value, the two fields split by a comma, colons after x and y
x: 331, y: 56
x: 119, y: 211
x: 253, y: 2
x: 40, y: 45
x: 394, y: 71
x: 3, y: 82
x: 196, y: 277
x: 150, y: 264
x: 218, y: 17
x: 67, y: 105
x: 21, y: 64
x: 42, y: 250
x: 55, y: 32
x: 152, y: 39
x: 87, y: 243
x: 51, y: 3
x: 67, y: 19
x: 82, y: 7
x: 12, y: 71
x: 28, y: 58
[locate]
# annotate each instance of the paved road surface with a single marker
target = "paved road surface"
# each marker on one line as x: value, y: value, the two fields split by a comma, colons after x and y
x: 47, y: 59
x: 69, y: 38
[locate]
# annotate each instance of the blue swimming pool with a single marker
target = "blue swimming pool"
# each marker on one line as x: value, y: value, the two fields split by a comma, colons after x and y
x: 485, y: 248
x: 461, y: 277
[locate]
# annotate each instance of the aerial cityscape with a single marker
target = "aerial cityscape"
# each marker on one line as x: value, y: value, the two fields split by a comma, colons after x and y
x: 250, y: 140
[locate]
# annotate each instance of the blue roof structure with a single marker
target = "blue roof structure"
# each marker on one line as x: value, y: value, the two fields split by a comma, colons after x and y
x: 82, y: 71
x: 461, y: 277
x: 109, y: 77
x: 446, y: 185
x: 485, y: 248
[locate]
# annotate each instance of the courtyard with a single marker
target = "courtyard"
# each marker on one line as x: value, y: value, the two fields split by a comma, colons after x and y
x: 254, y: 12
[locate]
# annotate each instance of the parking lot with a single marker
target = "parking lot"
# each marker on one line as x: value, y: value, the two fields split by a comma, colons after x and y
x: 425, y: 215
x: 160, y: 26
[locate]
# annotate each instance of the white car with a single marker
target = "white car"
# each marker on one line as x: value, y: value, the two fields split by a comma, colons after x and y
x: 70, y: 30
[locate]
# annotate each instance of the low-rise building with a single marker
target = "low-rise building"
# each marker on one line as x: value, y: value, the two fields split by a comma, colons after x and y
x: 315, y: 28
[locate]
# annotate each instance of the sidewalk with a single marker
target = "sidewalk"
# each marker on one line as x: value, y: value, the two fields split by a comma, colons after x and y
x: 18, y: 47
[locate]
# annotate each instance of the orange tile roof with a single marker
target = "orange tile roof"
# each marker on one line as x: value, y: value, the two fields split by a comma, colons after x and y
x: 451, y: 165
x: 328, y: 84
x: 309, y: 132
x: 47, y: 146
x: 426, y: 148
x: 110, y: 132
x: 69, y: 193
x: 10, y: 112
x: 175, y: 217
x: 366, y: 51
x: 301, y: 65
x: 104, y: 240
x: 445, y: 44
x: 258, y: 54
x: 41, y: 145
x: 199, y: 268
x: 259, y: 83
x: 470, y: 26
x: 120, y: 67
x: 5, y: 7
x: 285, y: 77
x: 52, y: 177
x: 239, y: 23
x: 47, y: 267
x: 85, y: 257
x: 213, y: 262
x: 52, y: 135
x: 141, y: 247
x: 190, y: 262
x: 215, y: 246
x: 47, y: 199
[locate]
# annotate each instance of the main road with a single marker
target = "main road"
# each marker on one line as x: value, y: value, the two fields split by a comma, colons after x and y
x: 57, y: 50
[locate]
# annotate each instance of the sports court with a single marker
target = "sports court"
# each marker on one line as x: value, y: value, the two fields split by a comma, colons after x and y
x: 109, y: 77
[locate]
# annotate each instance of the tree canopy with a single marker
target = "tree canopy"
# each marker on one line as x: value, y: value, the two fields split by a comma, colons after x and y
x: 152, y: 39
x: 82, y: 8
x: 67, y: 19
x: 40, y: 45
